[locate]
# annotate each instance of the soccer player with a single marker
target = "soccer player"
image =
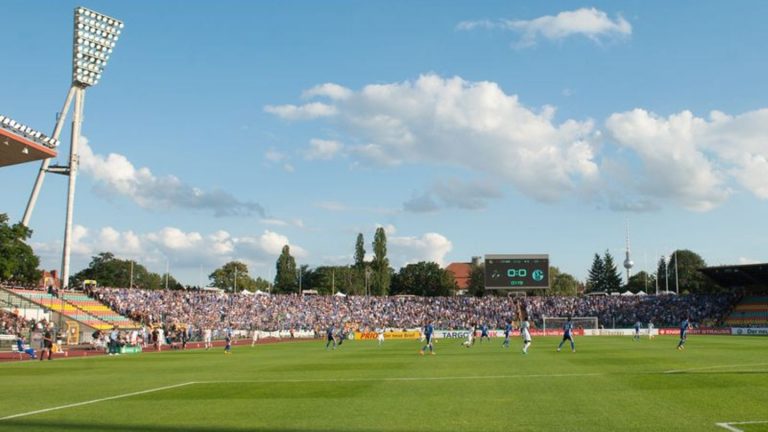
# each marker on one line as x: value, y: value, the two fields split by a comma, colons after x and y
x: 470, y: 337
x: 329, y: 335
x: 228, y: 340
x: 638, y: 324
x: 526, y: 336
x: 567, y: 335
x: 683, y: 333
x: 208, y: 338
x: 380, y: 335
x: 507, y: 332
x: 484, y: 333
x: 650, y: 330
x: 255, y: 338
x: 428, y: 330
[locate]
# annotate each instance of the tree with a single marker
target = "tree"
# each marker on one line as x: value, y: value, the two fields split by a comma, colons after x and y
x: 18, y: 263
x: 662, y: 275
x: 612, y: 277
x: 380, y: 264
x: 477, y: 280
x: 225, y: 276
x: 685, y: 265
x: 107, y: 270
x: 423, y: 279
x: 285, y: 275
x: 563, y: 284
x: 595, y: 279
x: 642, y: 281
x: 360, y: 265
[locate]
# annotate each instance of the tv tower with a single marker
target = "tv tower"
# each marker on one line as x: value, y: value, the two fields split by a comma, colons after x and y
x: 628, y: 264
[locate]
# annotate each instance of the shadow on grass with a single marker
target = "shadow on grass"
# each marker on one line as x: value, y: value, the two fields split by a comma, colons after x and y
x: 58, y: 425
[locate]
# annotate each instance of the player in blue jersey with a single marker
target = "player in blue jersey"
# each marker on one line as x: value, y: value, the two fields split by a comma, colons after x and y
x: 330, y: 337
x: 228, y: 340
x: 484, y: 333
x: 638, y: 324
x: 507, y: 333
x: 683, y: 333
x: 567, y: 335
x: 428, y: 330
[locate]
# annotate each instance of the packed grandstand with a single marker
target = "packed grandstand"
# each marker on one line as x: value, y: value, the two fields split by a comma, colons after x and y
x: 198, y: 310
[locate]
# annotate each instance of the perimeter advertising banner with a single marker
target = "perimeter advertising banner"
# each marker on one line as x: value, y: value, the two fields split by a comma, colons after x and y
x: 697, y: 331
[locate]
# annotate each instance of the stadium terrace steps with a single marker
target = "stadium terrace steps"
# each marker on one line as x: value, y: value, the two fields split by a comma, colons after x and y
x: 752, y: 310
x: 80, y: 307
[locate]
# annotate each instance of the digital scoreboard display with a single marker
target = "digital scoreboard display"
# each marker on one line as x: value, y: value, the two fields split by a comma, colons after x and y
x: 516, y: 271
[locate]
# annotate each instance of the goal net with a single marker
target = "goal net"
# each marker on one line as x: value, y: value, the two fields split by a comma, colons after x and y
x: 556, y: 323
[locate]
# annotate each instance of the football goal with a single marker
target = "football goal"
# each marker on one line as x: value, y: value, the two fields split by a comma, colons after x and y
x: 556, y: 323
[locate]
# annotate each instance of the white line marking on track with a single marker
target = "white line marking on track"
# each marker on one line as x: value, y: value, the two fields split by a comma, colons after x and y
x: 730, y: 427
x: 96, y: 401
x: 726, y: 366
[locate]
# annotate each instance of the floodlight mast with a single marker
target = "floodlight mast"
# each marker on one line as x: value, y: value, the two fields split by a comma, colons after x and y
x: 94, y: 37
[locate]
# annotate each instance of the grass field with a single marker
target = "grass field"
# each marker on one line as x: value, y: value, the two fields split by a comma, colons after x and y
x: 609, y: 384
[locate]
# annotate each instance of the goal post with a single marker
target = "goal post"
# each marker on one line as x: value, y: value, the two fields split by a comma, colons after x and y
x: 556, y: 323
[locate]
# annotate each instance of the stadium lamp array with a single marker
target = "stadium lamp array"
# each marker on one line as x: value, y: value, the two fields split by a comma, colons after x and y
x: 27, y: 132
x: 95, y: 37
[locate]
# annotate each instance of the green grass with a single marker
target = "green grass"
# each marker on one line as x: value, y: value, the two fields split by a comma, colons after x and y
x: 610, y: 384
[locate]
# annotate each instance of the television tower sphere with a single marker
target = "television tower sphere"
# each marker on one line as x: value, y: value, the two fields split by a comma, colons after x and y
x: 628, y: 263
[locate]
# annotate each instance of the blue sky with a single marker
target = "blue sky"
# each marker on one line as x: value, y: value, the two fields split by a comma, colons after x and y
x: 223, y: 130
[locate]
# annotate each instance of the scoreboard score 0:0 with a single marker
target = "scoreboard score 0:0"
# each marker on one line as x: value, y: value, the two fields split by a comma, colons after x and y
x: 516, y: 271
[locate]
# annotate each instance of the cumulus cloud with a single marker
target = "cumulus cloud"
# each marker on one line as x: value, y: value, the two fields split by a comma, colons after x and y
x: 301, y: 112
x: 410, y: 249
x: 588, y: 22
x: 183, y: 249
x: 693, y: 160
x: 475, y: 125
x: 322, y: 149
x: 114, y: 174
x: 454, y: 193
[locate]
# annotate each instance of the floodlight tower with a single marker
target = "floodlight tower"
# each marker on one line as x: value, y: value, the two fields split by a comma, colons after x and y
x: 94, y: 38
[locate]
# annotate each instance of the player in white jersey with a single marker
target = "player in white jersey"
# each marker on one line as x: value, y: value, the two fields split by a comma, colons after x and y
x: 526, y: 334
x: 470, y: 337
x: 255, y: 339
x: 650, y: 330
x: 207, y: 337
x: 380, y: 336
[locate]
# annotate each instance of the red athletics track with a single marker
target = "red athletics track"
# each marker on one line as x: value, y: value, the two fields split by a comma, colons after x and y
x: 14, y: 356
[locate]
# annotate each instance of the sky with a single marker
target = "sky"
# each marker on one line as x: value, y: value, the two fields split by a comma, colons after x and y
x: 224, y: 130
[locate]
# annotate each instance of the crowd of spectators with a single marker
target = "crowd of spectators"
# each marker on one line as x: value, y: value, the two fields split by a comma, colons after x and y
x: 214, y: 310
x: 12, y: 323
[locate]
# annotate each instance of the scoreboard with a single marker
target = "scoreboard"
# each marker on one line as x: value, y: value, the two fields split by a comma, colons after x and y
x: 516, y: 271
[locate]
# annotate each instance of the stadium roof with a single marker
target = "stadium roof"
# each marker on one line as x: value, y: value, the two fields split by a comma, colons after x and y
x: 737, y: 276
x: 16, y: 148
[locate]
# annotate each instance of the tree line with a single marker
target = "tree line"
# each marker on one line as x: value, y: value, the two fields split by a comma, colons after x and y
x: 374, y: 276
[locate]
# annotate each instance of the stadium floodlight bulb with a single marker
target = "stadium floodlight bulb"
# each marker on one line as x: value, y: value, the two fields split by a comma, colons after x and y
x: 94, y: 39
x: 27, y: 132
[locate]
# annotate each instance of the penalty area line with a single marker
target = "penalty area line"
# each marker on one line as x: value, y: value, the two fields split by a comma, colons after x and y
x: 730, y: 425
x: 95, y: 401
x: 395, y: 379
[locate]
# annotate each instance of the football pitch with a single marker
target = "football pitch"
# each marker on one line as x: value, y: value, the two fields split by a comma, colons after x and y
x: 718, y: 383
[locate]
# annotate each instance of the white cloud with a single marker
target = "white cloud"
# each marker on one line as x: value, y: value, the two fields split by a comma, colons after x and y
x: 410, y: 249
x: 476, y: 125
x: 273, y: 155
x: 114, y: 174
x: 301, y: 112
x: 322, y: 149
x: 588, y: 22
x: 454, y: 193
x: 693, y: 160
x: 183, y: 250
x: 329, y: 90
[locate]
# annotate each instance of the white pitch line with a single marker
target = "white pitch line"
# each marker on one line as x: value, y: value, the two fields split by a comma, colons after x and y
x: 96, y: 401
x: 444, y: 378
x: 727, y: 366
x: 730, y: 427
